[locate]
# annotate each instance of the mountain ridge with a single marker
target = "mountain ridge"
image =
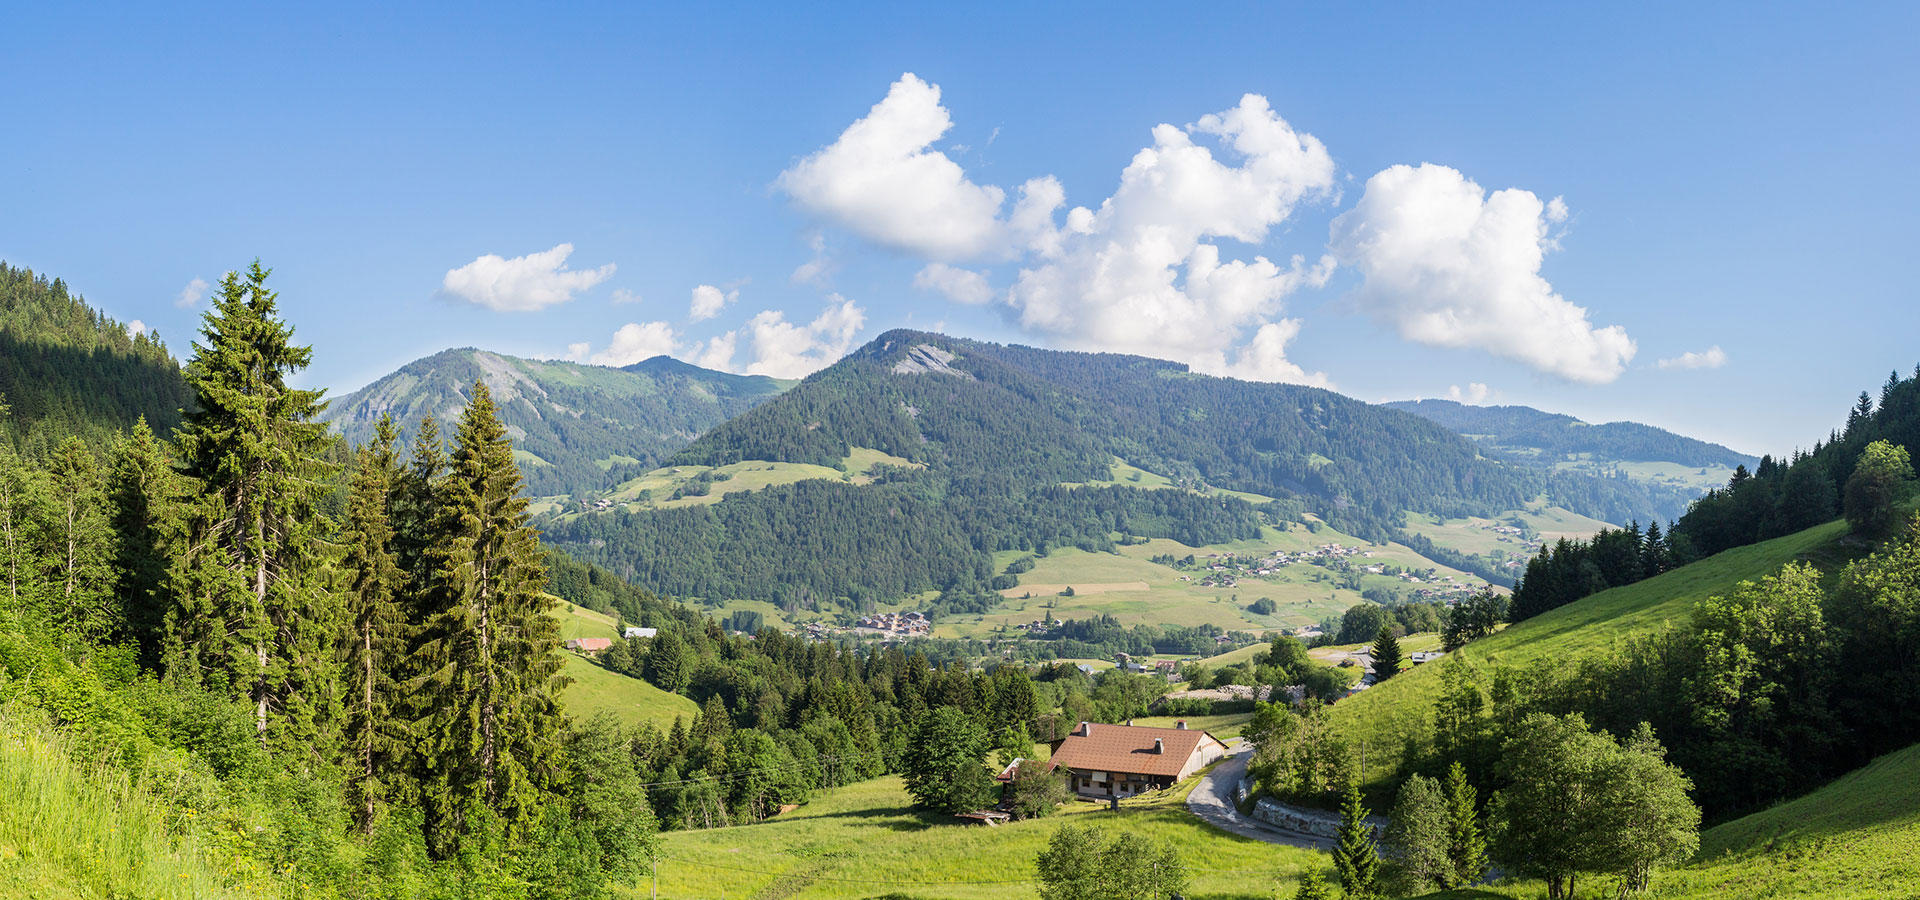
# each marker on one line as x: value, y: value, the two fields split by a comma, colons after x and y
x: 577, y: 427
x: 1511, y: 426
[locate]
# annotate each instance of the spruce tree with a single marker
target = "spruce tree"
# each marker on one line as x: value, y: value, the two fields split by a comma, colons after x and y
x: 1355, y: 855
x: 1386, y: 655
x: 412, y: 512
x: 375, y: 643
x: 489, y: 661
x: 1313, y: 886
x: 143, y: 495
x: 1466, y: 843
x: 249, y: 612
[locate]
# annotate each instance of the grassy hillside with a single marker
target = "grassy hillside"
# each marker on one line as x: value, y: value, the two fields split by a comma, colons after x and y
x: 596, y: 690
x: 863, y: 841
x: 70, y: 829
x: 1858, y: 837
x: 630, y: 700
x: 1855, y: 839
x: 1386, y: 716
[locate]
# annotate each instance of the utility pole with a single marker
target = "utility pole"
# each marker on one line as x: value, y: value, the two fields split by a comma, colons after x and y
x: 656, y: 873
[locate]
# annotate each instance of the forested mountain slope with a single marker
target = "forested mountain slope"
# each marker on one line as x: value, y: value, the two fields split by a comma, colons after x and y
x: 577, y: 428
x: 1522, y: 432
x: 68, y: 369
x: 995, y: 432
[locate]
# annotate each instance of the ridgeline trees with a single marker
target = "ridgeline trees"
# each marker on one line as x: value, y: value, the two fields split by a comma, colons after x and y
x: 1782, y: 496
x: 1878, y: 488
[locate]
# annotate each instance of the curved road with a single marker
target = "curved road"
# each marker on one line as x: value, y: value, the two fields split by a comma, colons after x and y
x: 1212, y: 800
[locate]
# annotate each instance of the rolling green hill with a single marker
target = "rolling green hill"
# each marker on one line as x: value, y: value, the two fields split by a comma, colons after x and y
x: 1385, y: 716
x: 576, y: 428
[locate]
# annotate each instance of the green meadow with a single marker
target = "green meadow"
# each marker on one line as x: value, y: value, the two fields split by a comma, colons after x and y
x: 864, y: 841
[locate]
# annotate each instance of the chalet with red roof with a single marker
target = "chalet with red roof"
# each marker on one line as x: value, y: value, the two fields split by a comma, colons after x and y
x: 1110, y: 761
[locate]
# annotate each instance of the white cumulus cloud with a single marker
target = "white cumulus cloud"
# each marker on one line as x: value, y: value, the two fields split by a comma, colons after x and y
x: 708, y: 301
x: 1143, y: 273
x: 1711, y: 358
x: 1475, y: 394
x: 191, y: 295
x: 1447, y: 264
x: 784, y: 349
x: 622, y: 296
x: 962, y: 285
x: 136, y: 328
x: 1140, y: 273
x: 882, y: 180
x: 775, y: 346
x: 523, y: 283
x: 634, y: 342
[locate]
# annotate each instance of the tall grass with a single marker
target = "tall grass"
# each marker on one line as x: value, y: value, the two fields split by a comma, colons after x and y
x: 74, y: 829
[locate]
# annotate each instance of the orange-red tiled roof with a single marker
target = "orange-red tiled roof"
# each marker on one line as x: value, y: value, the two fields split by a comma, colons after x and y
x: 1129, y: 748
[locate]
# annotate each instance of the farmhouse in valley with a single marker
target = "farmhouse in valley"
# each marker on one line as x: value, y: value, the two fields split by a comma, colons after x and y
x: 1109, y: 761
x: 589, y: 646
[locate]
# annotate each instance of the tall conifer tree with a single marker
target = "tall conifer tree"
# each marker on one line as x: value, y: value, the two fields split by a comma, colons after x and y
x: 248, y: 610
x: 489, y: 656
x: 143, y: 493
x: 1355, y: 854
x: 375, y: 643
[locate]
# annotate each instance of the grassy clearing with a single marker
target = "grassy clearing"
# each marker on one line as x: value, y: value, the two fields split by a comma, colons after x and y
x: 594, y: 689
x: 655, y: 489
x: 73, y: 830
x: 581, y: 622
x: 1386, y: 716
x: 632, y: 701
x: 863, y: 841
x: 1127, y: 586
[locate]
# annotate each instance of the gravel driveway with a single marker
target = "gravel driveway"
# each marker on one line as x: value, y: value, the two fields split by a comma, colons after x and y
x: 1212, y: 800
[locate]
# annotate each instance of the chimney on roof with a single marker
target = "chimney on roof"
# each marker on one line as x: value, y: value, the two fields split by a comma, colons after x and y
x: 1158, y: 747
x: 1086, y: 729
x: 1182, y: 724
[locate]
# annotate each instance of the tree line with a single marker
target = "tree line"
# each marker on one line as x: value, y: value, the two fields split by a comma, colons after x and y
x: 349, y: 668
x: 1785, y: 495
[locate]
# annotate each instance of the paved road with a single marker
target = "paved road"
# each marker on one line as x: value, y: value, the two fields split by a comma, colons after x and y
x: 1212, y: 800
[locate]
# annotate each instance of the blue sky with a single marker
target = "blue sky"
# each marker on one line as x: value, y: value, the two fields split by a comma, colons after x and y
x: 1579, y: 182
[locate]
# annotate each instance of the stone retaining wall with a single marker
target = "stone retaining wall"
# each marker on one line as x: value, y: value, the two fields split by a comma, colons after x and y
x: 1316, y: 822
